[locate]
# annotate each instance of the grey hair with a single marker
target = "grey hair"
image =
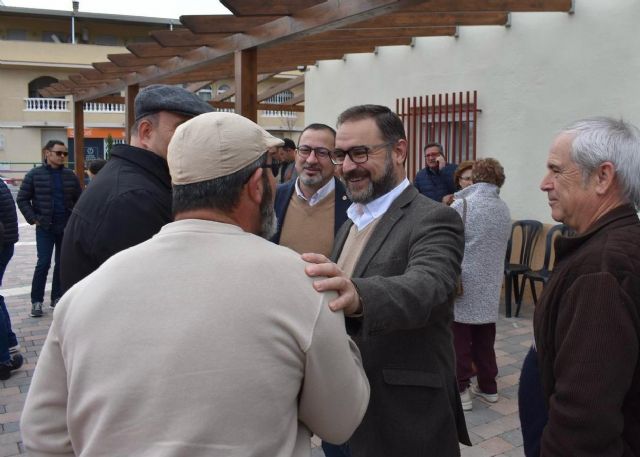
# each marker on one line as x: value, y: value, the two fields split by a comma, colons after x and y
x: 604, y: 139
x: 220, y: 193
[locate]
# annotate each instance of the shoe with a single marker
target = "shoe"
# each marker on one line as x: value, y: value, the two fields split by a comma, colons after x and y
x: 14, y: 349
x: 6, y: 368
x: 36, y: 309
x: 467, y: 401
x: 53, y: 303
x: 491, y: 398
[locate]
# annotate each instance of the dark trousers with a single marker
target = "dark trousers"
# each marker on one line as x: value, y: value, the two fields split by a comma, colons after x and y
x: 474, y: 346
x: 46, y: 241
x: 335, y: 450
x: 531, y: 405
x: 7, y: 337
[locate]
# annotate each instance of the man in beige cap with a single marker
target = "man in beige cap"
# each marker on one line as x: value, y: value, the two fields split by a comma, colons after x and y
x: 191, y: 343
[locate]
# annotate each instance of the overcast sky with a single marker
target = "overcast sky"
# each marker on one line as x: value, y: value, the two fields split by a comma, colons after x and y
x: 165, y: 9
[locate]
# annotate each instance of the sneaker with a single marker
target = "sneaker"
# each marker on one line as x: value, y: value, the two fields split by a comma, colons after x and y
x: 6, y: 368
x: 467, y: 401
x: 36, y: 309
x: 53, y: 303
x: 14, y: 349
x: 491, y: 398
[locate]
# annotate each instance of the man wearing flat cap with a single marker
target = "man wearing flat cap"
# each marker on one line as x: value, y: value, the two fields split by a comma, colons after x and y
x: 131, y: 199
x: 231, y: 360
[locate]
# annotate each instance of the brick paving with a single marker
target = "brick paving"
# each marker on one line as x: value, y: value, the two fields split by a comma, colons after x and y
x: 494, y: 428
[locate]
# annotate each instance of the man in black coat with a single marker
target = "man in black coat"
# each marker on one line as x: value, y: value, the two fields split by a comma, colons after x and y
x: 10, y: 357
x: 46, y: 197
x: 130, y: 200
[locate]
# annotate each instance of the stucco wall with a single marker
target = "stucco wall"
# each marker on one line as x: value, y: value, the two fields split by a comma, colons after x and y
x: 540, y: 74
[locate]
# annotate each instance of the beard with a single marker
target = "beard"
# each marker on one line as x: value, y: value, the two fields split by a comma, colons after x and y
x: 310, y: 181
x: 376, y: 188
x: 268, y: 219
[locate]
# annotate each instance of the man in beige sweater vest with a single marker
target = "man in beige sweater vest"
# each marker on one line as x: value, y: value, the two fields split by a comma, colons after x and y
x: 311, y: 208
x: 206, y: 340
x: 397, y: 261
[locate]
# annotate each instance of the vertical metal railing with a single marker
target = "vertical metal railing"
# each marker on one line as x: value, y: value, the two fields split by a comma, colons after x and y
x: 448, y: 119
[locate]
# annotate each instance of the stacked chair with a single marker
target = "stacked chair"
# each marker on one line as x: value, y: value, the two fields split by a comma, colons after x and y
x: 514, y: 273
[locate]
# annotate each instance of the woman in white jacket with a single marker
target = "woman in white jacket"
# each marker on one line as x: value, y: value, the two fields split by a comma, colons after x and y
x: 487, y: 224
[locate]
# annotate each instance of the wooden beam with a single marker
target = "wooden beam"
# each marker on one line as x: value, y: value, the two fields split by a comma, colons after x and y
x: 272, y: 7
x: 196, y: 86
x: 376, y: 34
x: 117, y: 99
x: 281, y: 87
x: 223, y: 23
x: 131, y: 60
x: 232, y: 88
x: 344, y: 45
x: 157, y: 50
x: 78, y: 140
x: 325, y: 16
x: 426, y: 19
x: 185, y: 37
x: 110, y: 69
x: 246, y: 72
x: 130, y: 116
x: 520, y: 6
x: 92, y: 74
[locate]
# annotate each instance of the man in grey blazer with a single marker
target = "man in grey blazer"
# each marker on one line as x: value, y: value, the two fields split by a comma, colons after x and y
x: 396, y: 264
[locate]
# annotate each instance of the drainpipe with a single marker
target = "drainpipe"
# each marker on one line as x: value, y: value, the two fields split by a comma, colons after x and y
x: 76, y: 7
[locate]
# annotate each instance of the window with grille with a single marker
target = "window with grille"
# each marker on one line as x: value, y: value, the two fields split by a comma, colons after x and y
x: 279, y: 99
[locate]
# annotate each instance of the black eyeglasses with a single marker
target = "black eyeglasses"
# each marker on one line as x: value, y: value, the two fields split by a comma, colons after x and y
x: 60, y: 153
x: 321, y: 153
x: 357, y: 154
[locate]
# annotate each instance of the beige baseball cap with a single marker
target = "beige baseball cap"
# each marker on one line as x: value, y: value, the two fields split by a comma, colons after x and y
x: 213, y: 145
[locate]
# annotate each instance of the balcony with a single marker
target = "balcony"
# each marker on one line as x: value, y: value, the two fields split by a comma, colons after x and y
x: 62, y: 105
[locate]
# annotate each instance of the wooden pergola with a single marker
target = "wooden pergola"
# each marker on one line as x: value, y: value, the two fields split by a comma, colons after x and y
x: 264, y: 37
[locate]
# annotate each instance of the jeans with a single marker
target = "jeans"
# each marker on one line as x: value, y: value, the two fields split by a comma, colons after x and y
x: 7, y: 337
x: 46, y: 240
x: 531, y: 405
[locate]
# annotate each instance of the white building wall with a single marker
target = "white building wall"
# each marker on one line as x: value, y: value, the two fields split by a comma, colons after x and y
x: 545, y: 71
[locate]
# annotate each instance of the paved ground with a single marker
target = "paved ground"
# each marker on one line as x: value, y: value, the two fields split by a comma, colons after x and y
x: 494, y: 429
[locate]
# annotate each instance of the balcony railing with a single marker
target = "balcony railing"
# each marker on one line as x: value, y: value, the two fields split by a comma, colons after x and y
x: 62, y: 105
x: 46, y: 104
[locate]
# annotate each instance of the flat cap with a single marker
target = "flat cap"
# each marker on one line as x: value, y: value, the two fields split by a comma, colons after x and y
x: 160, y: 97
x: 214, y: 145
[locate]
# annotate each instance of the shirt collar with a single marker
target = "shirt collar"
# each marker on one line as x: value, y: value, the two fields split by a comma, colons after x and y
x: 320, y: 194
x: 363, y: 215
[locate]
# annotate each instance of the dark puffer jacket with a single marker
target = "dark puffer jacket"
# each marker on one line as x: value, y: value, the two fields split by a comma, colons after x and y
x: 8, y: 215
x: 35, y: 198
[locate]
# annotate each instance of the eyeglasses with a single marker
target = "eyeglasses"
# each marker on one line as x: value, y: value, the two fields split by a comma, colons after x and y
x: 357, y: 154
x: 321, y: 153
x: 60, y: 153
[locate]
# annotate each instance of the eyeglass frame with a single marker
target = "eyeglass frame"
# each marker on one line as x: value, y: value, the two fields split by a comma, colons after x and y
x: 322, y: 154
x: 59, y: 153
x: 368, y: 150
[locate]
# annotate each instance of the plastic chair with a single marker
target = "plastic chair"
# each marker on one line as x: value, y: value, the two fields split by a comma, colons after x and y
x: 543, y: 274
x: 512, y: 271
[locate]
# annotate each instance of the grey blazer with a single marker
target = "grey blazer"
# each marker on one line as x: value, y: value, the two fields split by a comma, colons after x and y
x: 406, y: 276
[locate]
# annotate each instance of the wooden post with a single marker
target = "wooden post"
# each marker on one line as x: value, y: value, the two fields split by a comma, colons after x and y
x: 130, y: 115
x: 78, y: 140
x: 246, y: 73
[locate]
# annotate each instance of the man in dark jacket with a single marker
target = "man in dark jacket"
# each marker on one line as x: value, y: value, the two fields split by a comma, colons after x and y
x: 10, y: 357
x: 130, y: 200
x: 46, y: 198
x: 436, y: 179
x: 587, y: 323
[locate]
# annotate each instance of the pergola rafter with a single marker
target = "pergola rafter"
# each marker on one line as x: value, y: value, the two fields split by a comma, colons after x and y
x: 266, y: 37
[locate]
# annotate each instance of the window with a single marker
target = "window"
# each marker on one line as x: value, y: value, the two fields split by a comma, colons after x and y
x: 222, y: 89
x: 17, y: 34
x: 205, y: 93
x: 40, y: 83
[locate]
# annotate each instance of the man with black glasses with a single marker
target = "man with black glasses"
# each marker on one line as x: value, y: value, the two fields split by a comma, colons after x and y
x: 394, y: 265
x: 311, y: 208
x: 47, y: 196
